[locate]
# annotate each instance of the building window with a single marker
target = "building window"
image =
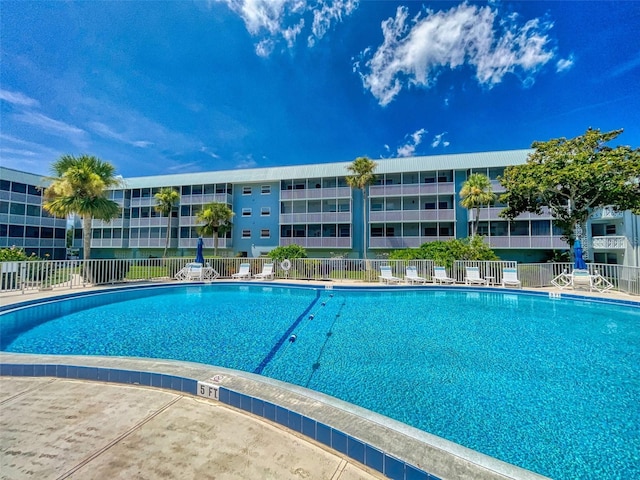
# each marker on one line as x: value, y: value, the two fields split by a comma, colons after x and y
x: 246, y: 190
x: 265, y: 233
x: 246, y: 233
x: 265, y: 211
x: 265, y: 189
x: 610, y: 229
x: 246, y: 212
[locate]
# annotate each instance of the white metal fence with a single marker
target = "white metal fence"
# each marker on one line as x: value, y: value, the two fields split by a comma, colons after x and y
x: 21, y: 277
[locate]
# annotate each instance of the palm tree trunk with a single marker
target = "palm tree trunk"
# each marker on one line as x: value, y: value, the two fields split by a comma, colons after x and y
x: 86, y: 236
x: 215, y: 243
x: 476, y: 223
x: 166, y: 243
x: 364, y: 214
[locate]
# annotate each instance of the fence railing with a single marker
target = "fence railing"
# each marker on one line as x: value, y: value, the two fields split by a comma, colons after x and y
x: 24, y: 276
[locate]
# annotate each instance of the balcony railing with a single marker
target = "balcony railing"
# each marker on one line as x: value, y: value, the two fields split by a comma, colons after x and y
x: 411, y: 189
x: 315, y: 193
x: 317, y: 242
x: 201, y: 199
x: 610, y: 242
x: 208, y: 242
x: 403, y: 242
x: 327, y: 217
x: 412, y: 215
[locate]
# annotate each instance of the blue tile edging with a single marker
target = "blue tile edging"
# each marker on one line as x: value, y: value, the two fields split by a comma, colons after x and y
x: 337, y: 440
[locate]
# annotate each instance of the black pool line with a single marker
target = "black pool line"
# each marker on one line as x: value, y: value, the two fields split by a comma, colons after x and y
x: 285, y: 337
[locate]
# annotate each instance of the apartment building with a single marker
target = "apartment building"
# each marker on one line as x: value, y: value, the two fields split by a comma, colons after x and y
x: 413, y: 201
x: 23, y: 222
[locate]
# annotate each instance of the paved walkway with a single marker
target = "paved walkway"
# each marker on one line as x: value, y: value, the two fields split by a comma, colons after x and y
x: 57, y: 429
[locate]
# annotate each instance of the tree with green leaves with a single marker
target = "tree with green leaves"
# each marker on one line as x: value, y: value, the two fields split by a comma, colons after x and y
x: 290, y: 252
x: 476, y: 191
x: 79, y: 187
x: 217, y: 219
x: 362, y: 175
x: 166, y: 200
x: 572, y: 178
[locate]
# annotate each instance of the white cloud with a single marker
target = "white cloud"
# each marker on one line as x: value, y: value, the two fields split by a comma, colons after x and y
x: 49, y: 124
x: 245, y: 162
x: 409, y: 147
x: 326, y: 14
x: 273, y: 21
x: 18, y: 98
x: 439, y: 140
x: 106, y: 131
x: 414, y: 51
x: 564, y: 64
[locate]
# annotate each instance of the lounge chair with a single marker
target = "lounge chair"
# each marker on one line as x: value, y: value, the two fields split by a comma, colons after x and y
x: 191, y: 271
x: 243, y: 272
x: 510, y: 278
x: 387, y: 276
x: 440, y: 276
x: 581, y: 279
x: 600, y: 283
x: 267, y: 272
x: 412, y: 275
x: 473, y: 276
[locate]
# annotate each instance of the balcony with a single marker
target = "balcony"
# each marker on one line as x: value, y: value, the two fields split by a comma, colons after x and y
x: 527, y: 242
x: 327, y: 217
x: 208, y: 242
x: 412, y: 215
x: 150, y: 222
x: 317, y: 242
x: 143, y: 202
x: 403, y: 242
x: 411, y: 189
x: 201, y: 199
x: 315, y: 193
x: 116, y: 222
x: 108, y: 243
x: 610, y: 242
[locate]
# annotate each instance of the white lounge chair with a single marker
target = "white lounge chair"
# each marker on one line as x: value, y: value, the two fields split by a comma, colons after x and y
x: 191, y: 271
x: 412, y: 275
x: 243, y: 272
x: 600, y: 283
x: 581, y: 279
x: 267, y: 272
x: 386, y: 276
x: 473, y: 276
x: 440, y: 276
x: 510, y: 278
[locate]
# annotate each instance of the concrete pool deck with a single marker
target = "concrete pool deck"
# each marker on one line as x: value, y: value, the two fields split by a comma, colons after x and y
x: 52, y: 427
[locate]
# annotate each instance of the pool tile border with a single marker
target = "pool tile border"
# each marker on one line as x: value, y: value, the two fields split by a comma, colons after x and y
x: 335, y: 439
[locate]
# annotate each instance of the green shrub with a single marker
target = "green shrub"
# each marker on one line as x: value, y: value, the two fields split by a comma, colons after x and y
x: 278, y: 254
x: 446, y: 252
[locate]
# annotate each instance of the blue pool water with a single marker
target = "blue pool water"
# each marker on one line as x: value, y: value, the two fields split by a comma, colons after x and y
x: 550, y: 385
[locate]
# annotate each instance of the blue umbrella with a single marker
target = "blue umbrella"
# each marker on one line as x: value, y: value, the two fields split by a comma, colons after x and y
x: 577, y: 252
x: 199, y: 247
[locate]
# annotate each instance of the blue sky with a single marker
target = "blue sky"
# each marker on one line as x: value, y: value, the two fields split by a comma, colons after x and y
x: 183, y: 86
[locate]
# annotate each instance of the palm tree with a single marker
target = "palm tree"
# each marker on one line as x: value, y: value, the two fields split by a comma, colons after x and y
x: 362, y: 176
x: 217, y: 218
x: 475, y: 192
x: 166, y: 199
x: 79, y: 187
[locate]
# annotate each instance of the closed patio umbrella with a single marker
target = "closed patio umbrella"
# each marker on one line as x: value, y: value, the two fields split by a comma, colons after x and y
x: 199, y: 255
x: 579, y: 263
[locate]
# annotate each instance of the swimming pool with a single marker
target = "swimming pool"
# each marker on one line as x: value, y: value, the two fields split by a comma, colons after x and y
x: 549, y: 385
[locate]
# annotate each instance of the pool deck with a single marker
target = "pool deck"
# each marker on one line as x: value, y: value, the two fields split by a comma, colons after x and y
x: 52, y: 427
